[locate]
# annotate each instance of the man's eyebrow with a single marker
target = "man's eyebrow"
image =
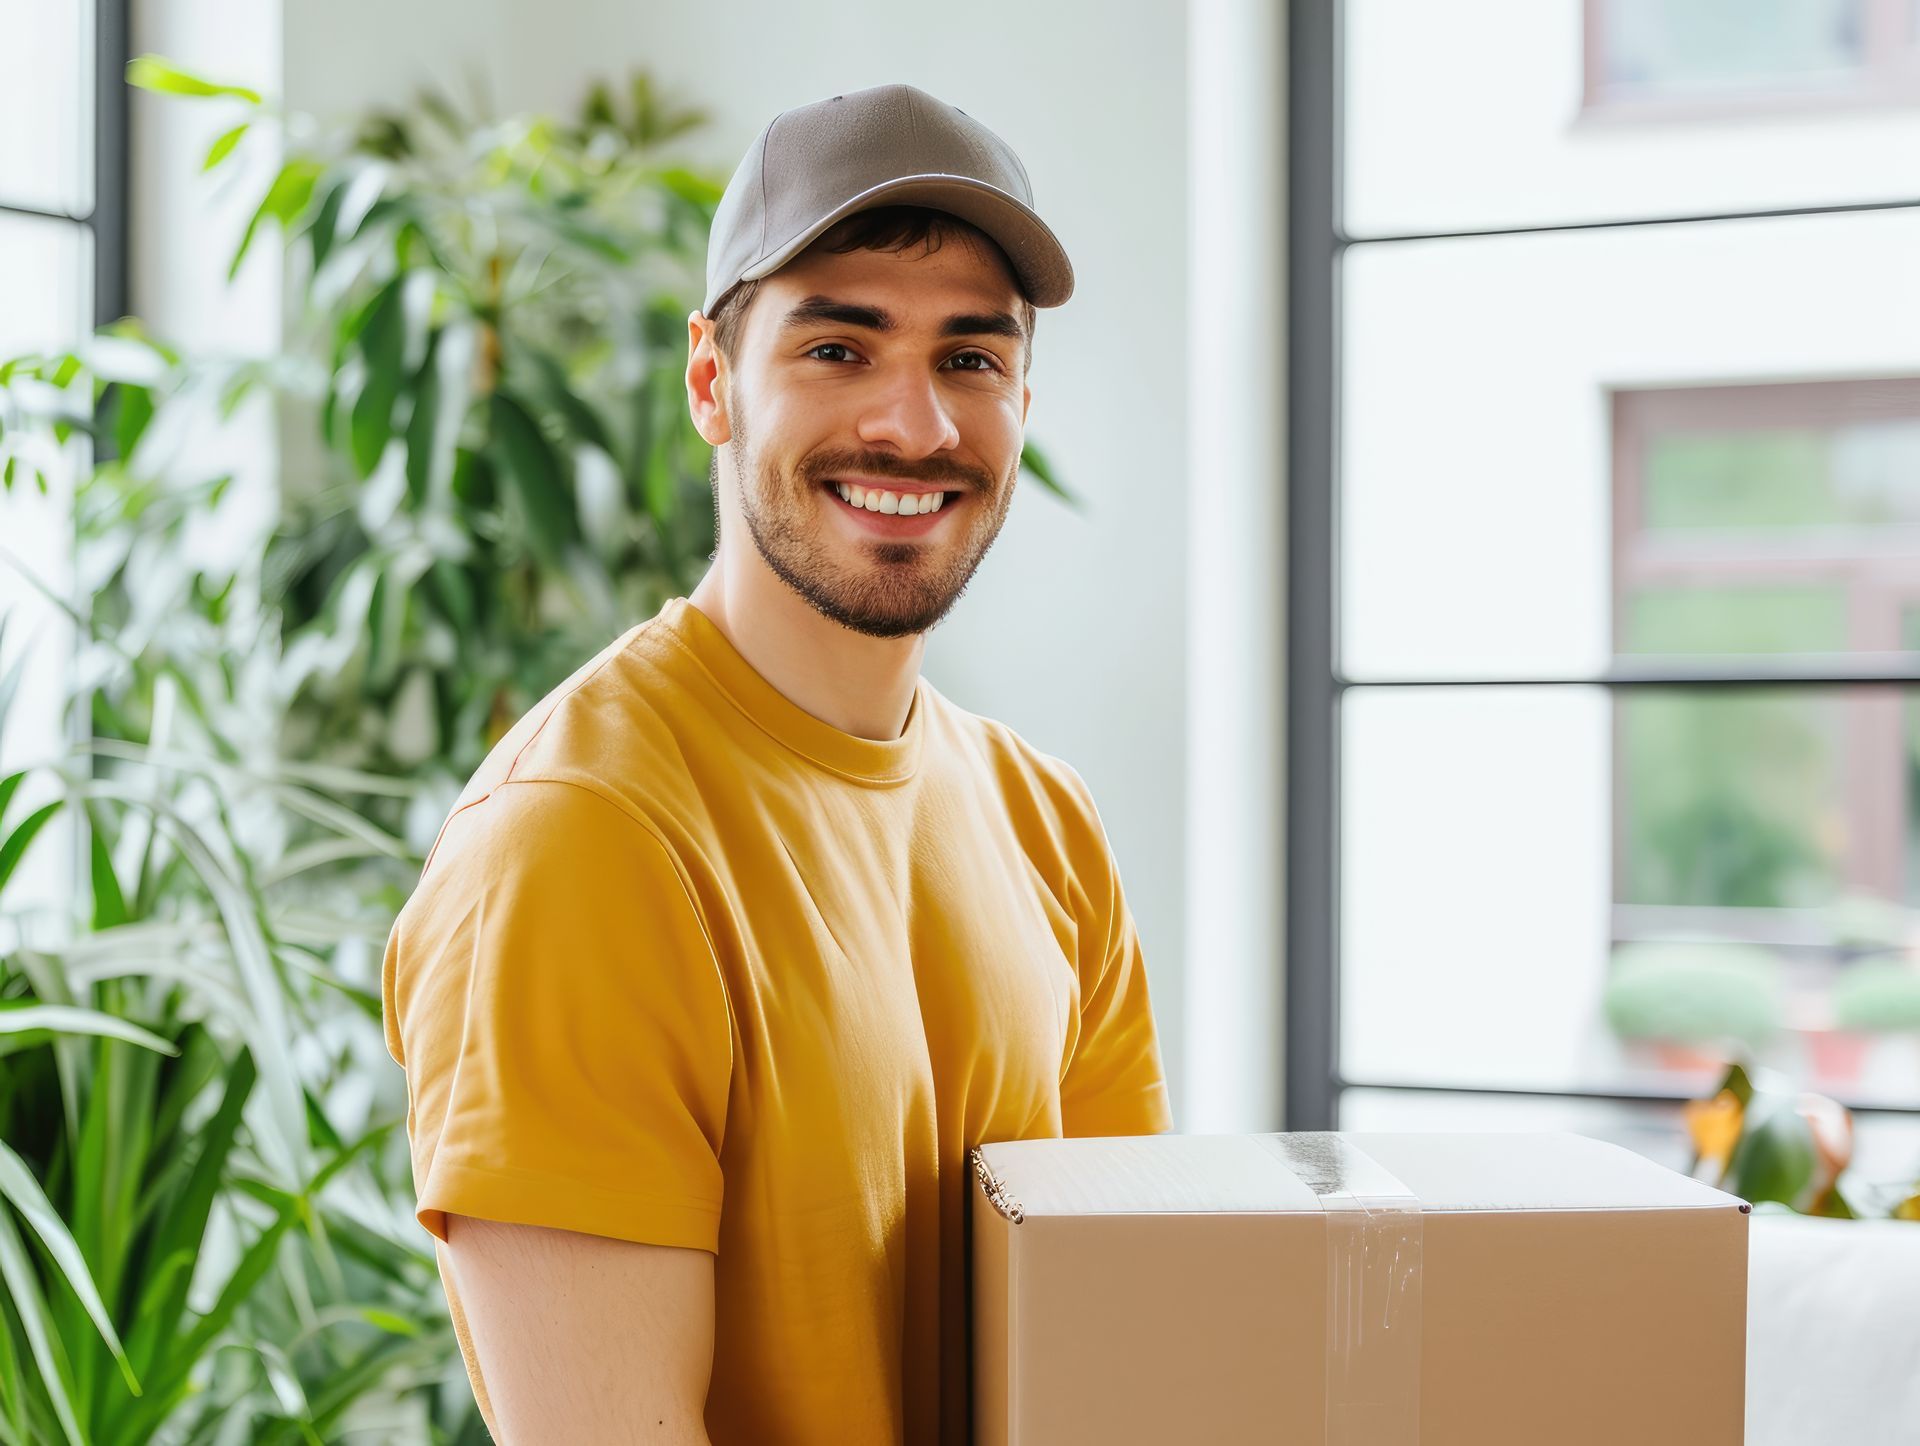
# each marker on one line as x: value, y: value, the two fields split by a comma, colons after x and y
x: 816, y: 309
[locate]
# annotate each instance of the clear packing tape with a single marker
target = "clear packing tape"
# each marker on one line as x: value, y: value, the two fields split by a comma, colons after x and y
x: 1374, y: 1281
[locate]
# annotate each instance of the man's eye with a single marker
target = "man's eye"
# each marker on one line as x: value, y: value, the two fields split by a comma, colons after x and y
x: 987, y: 362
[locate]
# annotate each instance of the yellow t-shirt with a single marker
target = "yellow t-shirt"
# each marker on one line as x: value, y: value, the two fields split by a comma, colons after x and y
x: 691, y: 966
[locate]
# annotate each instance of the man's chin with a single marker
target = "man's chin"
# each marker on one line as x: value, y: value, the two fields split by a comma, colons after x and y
x: 876, y: 611
x: 904, y: 621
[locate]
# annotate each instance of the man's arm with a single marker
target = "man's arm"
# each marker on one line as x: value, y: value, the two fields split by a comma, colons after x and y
x: 553, y: 995
x: 584, y: 1337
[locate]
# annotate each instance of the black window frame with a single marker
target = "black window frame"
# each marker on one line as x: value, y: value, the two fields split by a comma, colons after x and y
x: 1317, y: 244
x: 106, y: 220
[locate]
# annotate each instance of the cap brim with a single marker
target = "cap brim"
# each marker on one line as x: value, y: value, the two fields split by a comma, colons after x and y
x: 1039, y: 260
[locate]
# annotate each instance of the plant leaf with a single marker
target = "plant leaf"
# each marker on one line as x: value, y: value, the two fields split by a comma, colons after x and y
x: 382, y: 340
x: 556, y: 389
x: 152, y: 72
x: 183, y: 1229
x: 19, y: 1186
x: 15, y: 844
x: 24, y: 1289
x: 109, y: 904
x: 1033, y: 460
x: 223, y: 146
x: 77, y: 1019
x: 535, y: 472
x: 1775, y: 1157
x: 284, y: 202
x: 280, y: 1136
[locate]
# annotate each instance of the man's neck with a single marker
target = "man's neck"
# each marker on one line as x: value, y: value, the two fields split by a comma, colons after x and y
x: 860, y: 685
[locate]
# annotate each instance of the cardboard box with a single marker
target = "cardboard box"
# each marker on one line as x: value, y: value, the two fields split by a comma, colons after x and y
x: 1539, y: 1289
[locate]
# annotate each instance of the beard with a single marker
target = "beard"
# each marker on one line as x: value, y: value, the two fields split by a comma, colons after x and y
x: 875, y: 587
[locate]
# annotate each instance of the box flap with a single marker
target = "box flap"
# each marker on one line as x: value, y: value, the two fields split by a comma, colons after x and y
x: 1536, y: 1170
x: 1129, y: 1174
x: 1142, y: 1174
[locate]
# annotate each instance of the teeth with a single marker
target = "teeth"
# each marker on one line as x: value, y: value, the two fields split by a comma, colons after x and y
x: 905, y: 504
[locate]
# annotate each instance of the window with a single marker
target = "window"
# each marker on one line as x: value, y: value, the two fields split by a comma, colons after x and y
x: 63, y: 232
x: 62, y: 172
x: 1483, y: 114
x: 1663, y: 59
x: 1604, y: 578
x: 1781, y: 520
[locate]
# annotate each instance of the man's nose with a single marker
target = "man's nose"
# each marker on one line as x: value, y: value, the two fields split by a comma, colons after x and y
x: 906, y: 411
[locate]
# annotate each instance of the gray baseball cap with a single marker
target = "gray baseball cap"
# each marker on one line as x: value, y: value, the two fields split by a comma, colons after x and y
x: 891, y: 145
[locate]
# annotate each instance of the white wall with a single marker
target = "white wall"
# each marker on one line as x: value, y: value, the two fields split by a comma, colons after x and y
x: 1236, y: 623
x: 345, y: 56
x: 1073, y: 631
x: 183, y: 222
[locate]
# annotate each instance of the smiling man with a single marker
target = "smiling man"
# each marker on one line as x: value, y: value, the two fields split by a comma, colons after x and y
x: 745, y: 934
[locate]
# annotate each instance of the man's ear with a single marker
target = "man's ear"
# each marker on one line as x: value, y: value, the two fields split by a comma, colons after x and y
x: 1026, y: 400
x: 706, y: 382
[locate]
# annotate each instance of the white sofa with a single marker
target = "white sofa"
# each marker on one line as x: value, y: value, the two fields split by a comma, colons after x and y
x: 1833, y: 1332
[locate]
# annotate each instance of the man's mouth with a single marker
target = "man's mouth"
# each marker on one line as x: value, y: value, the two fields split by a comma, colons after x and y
x: 888, y: 502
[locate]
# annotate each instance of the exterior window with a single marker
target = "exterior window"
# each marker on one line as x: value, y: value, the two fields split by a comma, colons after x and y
x: 62, y: 271
x: 1603, y: 555
x: 61, y: 160
x: 1657, y: 57
x: 1779, y: 520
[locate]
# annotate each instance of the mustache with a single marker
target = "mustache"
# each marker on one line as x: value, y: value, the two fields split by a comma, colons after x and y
x: 943, y: 471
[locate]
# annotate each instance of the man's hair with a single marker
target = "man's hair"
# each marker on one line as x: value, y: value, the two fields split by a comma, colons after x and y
x: 880, y: 228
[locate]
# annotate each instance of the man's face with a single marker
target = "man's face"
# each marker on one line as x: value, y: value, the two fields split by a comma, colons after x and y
x: 931, y: 400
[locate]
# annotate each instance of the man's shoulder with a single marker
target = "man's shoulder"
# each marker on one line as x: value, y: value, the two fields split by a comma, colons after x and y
x: 604, y: 738
x: 1021, y: 771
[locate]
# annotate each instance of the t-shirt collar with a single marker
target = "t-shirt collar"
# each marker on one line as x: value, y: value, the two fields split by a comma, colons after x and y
x: 868, y: 760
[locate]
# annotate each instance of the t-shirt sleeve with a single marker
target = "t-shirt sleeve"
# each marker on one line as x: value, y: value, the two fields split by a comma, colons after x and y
x: 551, y: 992
x: 1115, y: 1082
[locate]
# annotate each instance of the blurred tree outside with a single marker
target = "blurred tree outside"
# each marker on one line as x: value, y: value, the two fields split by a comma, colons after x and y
x: 1736, y: 798
x: 1753, y: 540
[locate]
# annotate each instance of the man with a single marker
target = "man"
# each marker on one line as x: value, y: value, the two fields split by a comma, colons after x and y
x: 745, y: 934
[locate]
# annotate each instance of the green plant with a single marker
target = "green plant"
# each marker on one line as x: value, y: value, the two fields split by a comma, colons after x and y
x: 1877, y: 994
x: 193, y: 1261
x: 1702, y: 991
x: 1720, y: 794
x: 1774, y: 1145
